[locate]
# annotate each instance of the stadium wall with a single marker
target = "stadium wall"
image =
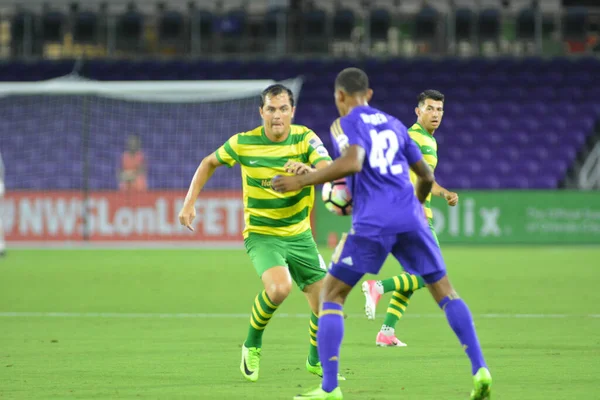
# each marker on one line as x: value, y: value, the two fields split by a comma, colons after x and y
x: 115, y: 218
x: 501, y: 217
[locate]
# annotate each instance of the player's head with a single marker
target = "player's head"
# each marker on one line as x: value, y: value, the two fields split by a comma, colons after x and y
x: 351, y: 89
x: 277, y: 110
x: 133, y: 143
x: 430, y: 109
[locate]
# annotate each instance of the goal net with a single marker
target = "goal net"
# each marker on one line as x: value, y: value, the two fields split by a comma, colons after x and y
x: 110, y: 162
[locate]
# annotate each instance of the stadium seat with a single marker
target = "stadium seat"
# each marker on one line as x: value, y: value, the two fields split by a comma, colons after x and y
x: 489, y: 25
x: 314, y: 28
x: 171, y: 26
x: 380, y: 23
x: 52, y: 26
x: 24, y: 32
x: 201, y: 28
x: 130, y: 27
x: 425, y: 24
x: 526, y: 24
x: 344, y: 22
x: 85, y: 27
x: 463, y: 24
x: 486, y: 139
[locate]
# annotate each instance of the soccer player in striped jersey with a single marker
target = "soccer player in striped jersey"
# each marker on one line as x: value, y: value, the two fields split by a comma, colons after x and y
x: 277, y: 233
x: 429, y: 110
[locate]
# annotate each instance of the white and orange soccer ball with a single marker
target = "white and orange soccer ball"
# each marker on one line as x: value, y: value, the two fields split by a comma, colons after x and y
x: 337, y: 197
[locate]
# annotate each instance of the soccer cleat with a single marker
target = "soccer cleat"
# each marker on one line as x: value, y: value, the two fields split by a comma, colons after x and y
x: 388, y: 341
x: 250, y: 363
x: 372, y: 297
x: 318, y: 370
x: 320, y: 394
x: 482, y: 382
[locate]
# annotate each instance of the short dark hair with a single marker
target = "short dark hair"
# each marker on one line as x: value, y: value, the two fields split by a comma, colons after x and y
x: 352, y: 80
x: 430, y: 94
x: 276, y: 90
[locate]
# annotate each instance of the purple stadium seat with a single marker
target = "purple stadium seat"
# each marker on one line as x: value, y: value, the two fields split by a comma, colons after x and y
x: 490, y: 137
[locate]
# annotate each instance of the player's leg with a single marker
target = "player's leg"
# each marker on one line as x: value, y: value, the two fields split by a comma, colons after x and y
x: 308, y: 269
x: 403, y: 287
x: 404, y: 284
x: 419, y: 252
x: 268, y: 259
x: 312, y: 293
x: 461, y: 321
x: 353, y: 257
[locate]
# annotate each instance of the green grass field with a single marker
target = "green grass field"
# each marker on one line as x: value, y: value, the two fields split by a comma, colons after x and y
x: 174, y: 321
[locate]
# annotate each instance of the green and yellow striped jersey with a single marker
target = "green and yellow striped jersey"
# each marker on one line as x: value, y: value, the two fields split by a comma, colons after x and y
x: 428, y: 146
x: 266, y: 211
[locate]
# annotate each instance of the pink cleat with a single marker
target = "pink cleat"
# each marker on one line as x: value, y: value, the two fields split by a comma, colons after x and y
x: 384, y: 340
x: 372, y: 297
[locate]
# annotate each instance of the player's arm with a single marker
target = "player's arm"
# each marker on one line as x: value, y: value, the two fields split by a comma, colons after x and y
x: 316, y: 153
x: 425, y: 179
x: 440, y: 191
x: 225, y: 155
x: 349, y: 163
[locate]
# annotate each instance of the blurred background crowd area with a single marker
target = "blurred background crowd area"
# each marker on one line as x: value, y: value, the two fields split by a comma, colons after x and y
x: 522, y: 106
x: 274, y: 28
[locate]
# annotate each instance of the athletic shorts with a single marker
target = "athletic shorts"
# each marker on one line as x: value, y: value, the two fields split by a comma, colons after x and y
x: 299, y: 253
x: 418, y: 251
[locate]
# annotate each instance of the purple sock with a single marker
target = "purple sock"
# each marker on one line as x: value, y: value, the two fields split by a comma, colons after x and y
x: 329, y: 341
x: 460, y: 320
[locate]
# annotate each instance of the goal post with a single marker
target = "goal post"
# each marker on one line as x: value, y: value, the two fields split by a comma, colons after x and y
x: 73, y: 175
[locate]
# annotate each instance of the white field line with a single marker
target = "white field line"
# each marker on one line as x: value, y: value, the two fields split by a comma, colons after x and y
x: 8, y: 314
x: 125, y: 245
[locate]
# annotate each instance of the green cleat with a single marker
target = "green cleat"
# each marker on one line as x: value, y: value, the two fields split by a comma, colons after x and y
x: 250, y: 363
x: 482, y: 382
x: 320, y: 394
x: 318, y: 370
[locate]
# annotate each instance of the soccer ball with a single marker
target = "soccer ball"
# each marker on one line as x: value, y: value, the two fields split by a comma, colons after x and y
x: 337, y: 197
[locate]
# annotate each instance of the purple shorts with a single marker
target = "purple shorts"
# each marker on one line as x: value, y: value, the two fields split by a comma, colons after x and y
x: 417, y: 252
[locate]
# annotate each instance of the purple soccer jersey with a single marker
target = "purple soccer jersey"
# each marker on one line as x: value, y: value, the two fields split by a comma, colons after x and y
x: 383, y: 196
x: 386, y: 216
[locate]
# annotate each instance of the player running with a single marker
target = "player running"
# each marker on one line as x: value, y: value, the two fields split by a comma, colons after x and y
x: 429, y: 110
x: 387, y: 218
x: 277, y: 233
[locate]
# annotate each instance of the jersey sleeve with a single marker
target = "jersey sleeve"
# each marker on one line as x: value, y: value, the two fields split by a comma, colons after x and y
x: 412, y: 150
x: 316, y: 150
x: 344, y: 135
x: 227, y: 154
x: 416, y: 138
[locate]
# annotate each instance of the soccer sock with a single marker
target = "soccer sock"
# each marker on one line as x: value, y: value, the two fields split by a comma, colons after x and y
x: 460, y: 320
x: 401, y: 283
x: 331, y: 333
x: 262, y: 311
x: 313, y: 352
x: 395, y: 311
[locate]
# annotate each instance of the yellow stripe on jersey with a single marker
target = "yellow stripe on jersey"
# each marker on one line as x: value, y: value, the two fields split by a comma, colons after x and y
x: 265, y: 211
x: 336, y: 128
x: 428, y: 146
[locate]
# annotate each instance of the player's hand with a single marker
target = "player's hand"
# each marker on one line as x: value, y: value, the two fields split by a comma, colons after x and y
x: 283, y: 184
x: 296, y: 168
x: 451, y: 198
x: 186, y: 216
